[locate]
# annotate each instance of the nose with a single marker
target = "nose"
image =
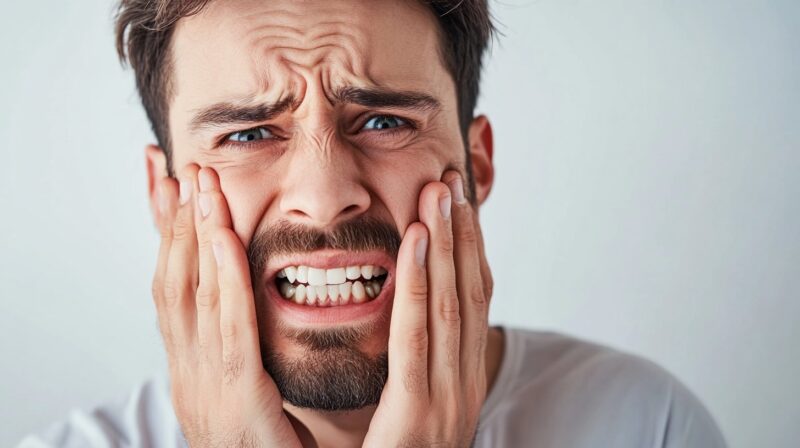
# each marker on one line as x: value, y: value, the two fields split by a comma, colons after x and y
x: 323, y: 187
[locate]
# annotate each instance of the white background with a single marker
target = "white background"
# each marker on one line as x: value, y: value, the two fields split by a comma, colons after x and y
x: 647, y: 192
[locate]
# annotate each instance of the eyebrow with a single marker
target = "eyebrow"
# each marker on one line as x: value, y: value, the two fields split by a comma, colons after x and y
x: 225, y: 113
x: 221, y: 114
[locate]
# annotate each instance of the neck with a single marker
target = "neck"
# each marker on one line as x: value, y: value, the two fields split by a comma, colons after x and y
x: 323, y: 429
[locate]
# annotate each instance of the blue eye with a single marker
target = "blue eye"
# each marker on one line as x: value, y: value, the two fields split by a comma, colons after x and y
x: 250, y: 135
x: 380, y: 122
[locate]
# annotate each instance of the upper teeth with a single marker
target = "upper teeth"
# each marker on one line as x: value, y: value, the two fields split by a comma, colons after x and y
x: 335, y: 276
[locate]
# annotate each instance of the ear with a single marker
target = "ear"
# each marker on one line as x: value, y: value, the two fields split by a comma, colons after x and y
x: 481, y: 149
x: 156, y: 170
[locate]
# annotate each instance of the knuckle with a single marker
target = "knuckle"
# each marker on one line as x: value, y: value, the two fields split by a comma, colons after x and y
x: 417, y: 339
x: 156, y: 290
x: 466, y: 232
x: 448, y: 291
x: 444, y: 245
x: 228, y: 331
x: 172, y: 292
x: 418, y: 291
x: 203, y: 243
x: 477, y: 295
x: 207, y: 297
x: 488, y: 287
x: 449, y: 311
x: 166, y: 235
x: 182, y: 229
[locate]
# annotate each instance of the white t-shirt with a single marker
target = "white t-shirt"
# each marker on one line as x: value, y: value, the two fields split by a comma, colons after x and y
x: 551, y: 391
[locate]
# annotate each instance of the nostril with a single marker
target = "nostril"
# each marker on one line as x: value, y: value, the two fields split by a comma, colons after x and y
x: 350, y: 209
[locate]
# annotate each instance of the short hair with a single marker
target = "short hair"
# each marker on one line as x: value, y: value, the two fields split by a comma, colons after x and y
x: 144, y: 31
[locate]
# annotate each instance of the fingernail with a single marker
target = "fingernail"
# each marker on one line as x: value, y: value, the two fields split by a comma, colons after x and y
x: 420, y: 251
x: 162, y: 200
x: 205, y: 204
x: 185, y: 191
x: 444, y: 206
x: 217, y: 249
x: 457, y: 188
x: 205, y: 180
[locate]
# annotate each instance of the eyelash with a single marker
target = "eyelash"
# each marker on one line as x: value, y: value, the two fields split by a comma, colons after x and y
x: 244, y: 146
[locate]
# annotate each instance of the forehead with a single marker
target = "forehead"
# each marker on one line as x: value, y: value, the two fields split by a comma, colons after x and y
x: 271, y: 49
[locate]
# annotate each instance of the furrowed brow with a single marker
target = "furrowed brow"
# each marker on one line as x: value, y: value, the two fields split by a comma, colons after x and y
x: 226, y: 113
x: 221, y: 114
x: 385, y: 98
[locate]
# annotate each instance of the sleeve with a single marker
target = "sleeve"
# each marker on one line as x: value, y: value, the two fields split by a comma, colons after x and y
x: 144, y: 418
x: 686, y: 422
x: 80, y: 429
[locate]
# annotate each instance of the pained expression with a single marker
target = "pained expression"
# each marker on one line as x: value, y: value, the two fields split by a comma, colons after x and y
x: 327, y: 152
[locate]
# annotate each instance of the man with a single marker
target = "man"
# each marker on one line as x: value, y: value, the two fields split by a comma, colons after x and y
x: 321, y: 279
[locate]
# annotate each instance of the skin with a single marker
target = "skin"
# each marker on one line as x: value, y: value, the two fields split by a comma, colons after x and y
x: 319, y: 167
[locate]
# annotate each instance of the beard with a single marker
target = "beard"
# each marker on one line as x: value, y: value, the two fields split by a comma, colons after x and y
x: 333, y: 373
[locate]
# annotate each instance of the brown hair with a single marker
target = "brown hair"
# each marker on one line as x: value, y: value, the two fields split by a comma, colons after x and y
x: 144, y: 31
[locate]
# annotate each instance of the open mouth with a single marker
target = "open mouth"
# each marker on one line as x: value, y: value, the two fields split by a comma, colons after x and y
x: 305, y: 285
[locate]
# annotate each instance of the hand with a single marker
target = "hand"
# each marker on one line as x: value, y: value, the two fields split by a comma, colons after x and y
x: 202, y: 291
x: 439, y: 327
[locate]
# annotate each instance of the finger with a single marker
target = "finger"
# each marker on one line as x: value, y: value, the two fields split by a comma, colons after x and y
x: 408, y: 331
x: 167, y: 206
x: 211, y: 213
x: 444, y: 320
x: 472, y: 299
x: 238, y: 326
x: 180, y: 281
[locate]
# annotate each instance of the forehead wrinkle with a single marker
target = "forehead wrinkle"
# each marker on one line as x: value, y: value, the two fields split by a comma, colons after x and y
x: 280, y: 51
x: 337, y: 49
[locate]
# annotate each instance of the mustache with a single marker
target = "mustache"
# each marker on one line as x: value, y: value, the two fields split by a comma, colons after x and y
x: 360, y: 234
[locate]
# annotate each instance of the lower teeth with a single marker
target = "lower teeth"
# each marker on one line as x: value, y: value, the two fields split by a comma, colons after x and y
x: 330, y: 295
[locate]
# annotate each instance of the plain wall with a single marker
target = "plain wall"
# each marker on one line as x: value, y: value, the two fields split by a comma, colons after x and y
x: 647, y: 157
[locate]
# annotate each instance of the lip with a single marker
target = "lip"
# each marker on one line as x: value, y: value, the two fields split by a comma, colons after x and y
x: 326, y: 316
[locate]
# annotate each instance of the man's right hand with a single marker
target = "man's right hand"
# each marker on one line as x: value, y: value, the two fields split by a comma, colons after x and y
x: 203, y: 294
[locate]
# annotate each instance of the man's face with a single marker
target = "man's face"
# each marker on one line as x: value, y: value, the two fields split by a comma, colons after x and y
x: 334, y: 115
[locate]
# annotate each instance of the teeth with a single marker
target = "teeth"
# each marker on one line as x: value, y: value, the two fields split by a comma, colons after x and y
x: 359, y: 294
x: 345, y: 289
x: 300, y: 294
x: 353, y: 272
x: 333, y: 293
x: 311, y: 295
x: 366, y: 272
x: 291, y: 273
x: 317, y: 277
x: 322, y: 294
x: 287, y: 290
x: 377, y: 288
x: 335, y: 276
x: 372, y: 289
x: 302, y: 274
x: 327, y: 287
x: 329, y: 295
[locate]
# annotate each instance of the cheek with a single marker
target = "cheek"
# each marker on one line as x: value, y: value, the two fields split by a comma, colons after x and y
x: 249, y: 193
x: 398, y: 179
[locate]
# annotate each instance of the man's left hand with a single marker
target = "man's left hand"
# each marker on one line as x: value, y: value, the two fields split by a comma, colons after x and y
x: 439, y: 327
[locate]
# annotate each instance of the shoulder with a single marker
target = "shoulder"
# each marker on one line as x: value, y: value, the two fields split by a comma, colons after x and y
x: 589, y: 392
x: 143, y: 418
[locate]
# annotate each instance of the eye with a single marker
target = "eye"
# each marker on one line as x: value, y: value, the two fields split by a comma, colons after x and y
x: 249, y: 135
x: 380, y: 122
